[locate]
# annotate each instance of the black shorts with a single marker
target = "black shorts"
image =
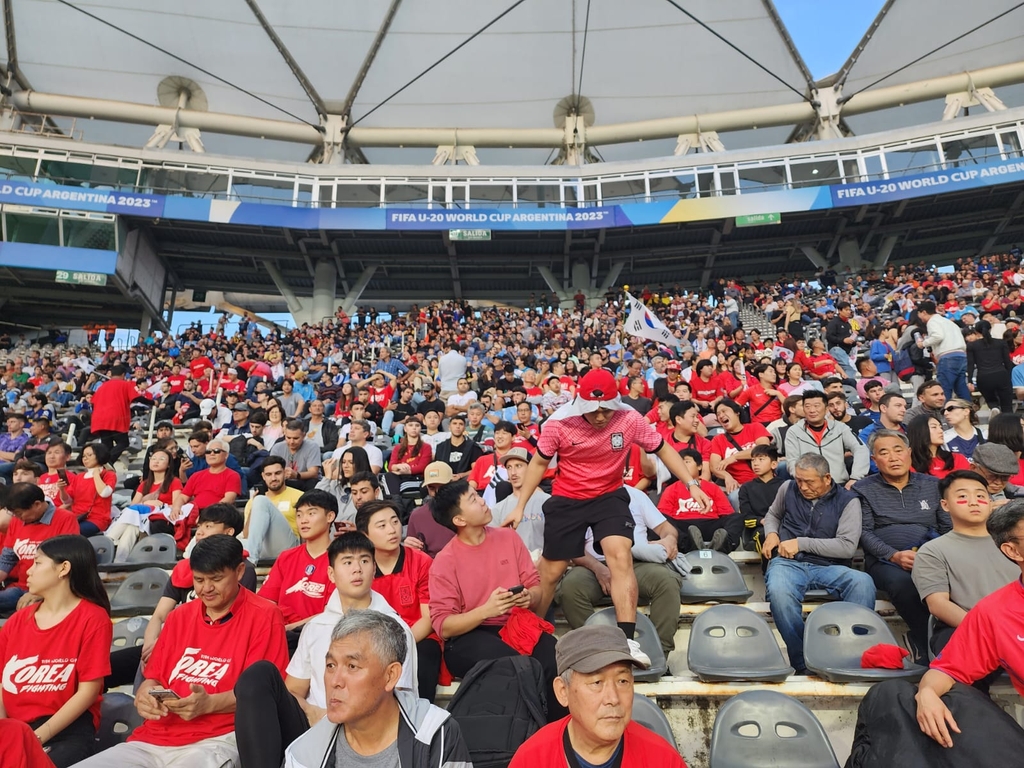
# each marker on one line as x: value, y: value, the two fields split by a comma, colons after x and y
x: 566, y: 522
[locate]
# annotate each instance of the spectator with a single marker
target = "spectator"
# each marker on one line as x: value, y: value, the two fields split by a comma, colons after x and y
x: 811, y: 533
x: 198, y: 442
x: 458, y: 452
x: 55, y: 481
x: 764, y: 398
x: 841, y: 338
x: 203, y: 648
x: 290, y: 400
x: 839, y: 409
x: 409, y: 459
x: 821, y: 435
x: 963, y: 435
x: 684, y: 417
x: 337, y: 480
x: 470, y: 581
x: 991, y: 359
x: 892, y: 415
x: 531, y: 529
x: 322, y: 432
x: 928, y: 452
x: 720, y: 526
x: 424, y: 532
x: 457, y: 401
x: 358, y: 434
x: 215, y: 485
x: 367, y: 715
x: 994, y: 463
x: 152, y: 500
x: 270, y: 526
x: 478, y: 429
x: 1008, y: 429
x: 955, y: 571
x: 92, y: 490
x: 34, y: 519
x: 298, y: 581
x: 402, y: 577
x: 397, y: 411
x: 61, y: 642
x: 949, y: 348
x: 730, y: 451
x: 11, y: 443
x: 930, y: 400
x: 901, y: 511
x: 271, y: 715
x: 111, y: 416
x: 757, y: 495
x: 301, y: 457
x: 588, y: 582
x: 488, y: 471
x: 595, y: 683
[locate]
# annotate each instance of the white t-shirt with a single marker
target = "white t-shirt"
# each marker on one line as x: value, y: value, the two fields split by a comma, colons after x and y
x: 310, y: 657
x: 462, y: 401
x: 372, y: 453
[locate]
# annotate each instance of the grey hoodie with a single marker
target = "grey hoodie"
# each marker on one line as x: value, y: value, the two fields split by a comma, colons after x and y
x: 838, y: 439
x: 427, y: 738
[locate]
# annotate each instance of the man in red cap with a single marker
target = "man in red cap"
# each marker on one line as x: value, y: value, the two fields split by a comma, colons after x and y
x: 592, y: 437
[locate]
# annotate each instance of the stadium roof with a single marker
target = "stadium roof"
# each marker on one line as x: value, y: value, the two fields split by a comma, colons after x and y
x: 515, y: 67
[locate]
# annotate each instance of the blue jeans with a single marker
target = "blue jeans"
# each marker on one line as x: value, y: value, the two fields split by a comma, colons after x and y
x: 952, y: 375
x: 89, y: 528
x: 787, y: 582
x: 9, y: 598
x: 842, y: 358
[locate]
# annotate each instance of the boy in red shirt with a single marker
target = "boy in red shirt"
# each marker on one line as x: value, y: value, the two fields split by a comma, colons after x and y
x: 203, y: 648
x: 721, y: 525
x: 34, y: 519
x: 403, y: 578
x: 298, y: 581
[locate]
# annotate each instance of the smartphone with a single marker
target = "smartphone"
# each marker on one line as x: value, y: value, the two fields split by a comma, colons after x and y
x: 516, y: 589
x: 62, y: 474
x: 162, y: 694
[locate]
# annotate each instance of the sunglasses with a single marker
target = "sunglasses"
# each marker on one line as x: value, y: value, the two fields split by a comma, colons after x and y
x: 215, y: 452
x: 949, y: 408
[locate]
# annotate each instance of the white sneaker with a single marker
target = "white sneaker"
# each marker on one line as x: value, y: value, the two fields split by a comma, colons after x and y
x: 636, y: 653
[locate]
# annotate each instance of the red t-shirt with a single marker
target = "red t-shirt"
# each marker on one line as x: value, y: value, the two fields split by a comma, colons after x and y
x: 938, y: 466
x: 677, y: 503
x: 725, y: 445
x: 382, y: 396
x: 110, y: 406
x: 705, y: 391
x: 44, y: 667
x: 48, y: 484
x: 189, y: 651
x: 632, y: 473
x: 206, y: 488
x: 590, y: 461
x: 483, y: 470
x: 85, y: 500
x: 987, y: 639
x: 640, y: 747
x: 822, y: 365
x: 24, y: 539
x: 198, y: 367
x: 764, y: 408
x: 299, y: 584
x: 407, y: 587
x: 700, y: 444
x: 168, y: 497
x: 232, y: 386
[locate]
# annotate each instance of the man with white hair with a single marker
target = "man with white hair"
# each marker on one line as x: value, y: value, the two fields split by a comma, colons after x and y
x: 217, y: 484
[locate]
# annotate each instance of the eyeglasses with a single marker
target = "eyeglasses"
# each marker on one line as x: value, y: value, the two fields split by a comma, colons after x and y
x: 949, y: 408
x: 215, y: 452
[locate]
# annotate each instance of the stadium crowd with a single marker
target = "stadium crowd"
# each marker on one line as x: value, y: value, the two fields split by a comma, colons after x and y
x: 425, y: 486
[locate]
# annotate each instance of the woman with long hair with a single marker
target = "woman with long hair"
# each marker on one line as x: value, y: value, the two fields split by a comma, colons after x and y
x: 337, y: 479
x: 1008, y: 429
x: 92, y: 490
x: 274, y: 430
x: 963, y: 435
x: 346, y: 397
x: 155, y: 493
x: 409, y: 459
x: 64, y: 640
x: 991, y: 359
x: 928, y: 452
x: 794, y: 383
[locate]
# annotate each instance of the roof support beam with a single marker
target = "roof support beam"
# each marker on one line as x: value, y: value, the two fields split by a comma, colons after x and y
x: 13, y: 68
x: 371, y: 54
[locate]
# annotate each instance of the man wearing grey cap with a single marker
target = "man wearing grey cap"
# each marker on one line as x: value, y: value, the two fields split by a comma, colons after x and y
x: 595, y: 682
x: 997, y: 464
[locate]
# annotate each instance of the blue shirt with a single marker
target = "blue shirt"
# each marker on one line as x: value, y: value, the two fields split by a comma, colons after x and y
x: 392, y: 366
x: 13, y: 444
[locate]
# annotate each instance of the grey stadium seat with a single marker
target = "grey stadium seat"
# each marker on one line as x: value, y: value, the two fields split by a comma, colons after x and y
x: 104, y: 549
x: 731, y: 643
x: 118, y: 718
x: 139, y: 593
x: 646, y: 635
x: 715, y: 578
x: 650, y: 716
x: 155, y: 549
x: 762, y: 728
x: 835, y: 637
x: 128, y: 633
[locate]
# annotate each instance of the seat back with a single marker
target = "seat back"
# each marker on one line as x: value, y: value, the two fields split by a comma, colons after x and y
x: 156, y: 548
x: 648, y: 714
x: 128, y: 633
x: 837, y: 634
x: 732, y: 642
x: 141, y: 590
x: 104, y: 549
x: 714, y: 577
x: 646, y: 635
x: 765, y: 727
x: 118, y: 718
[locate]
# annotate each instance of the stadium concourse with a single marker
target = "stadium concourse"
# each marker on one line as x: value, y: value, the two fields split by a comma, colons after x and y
x: 738, y: 380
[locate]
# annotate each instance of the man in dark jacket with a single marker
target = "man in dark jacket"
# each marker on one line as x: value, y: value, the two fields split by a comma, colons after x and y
x: 366, y: 716
x: 811, y: 532
x: 841, y: 338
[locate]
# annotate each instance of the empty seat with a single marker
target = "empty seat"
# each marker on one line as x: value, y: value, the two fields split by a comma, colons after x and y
x: 129, y: 633
x: 650, y: 716
x: 139, y: 593
x: 731, y: 642
x: 836, y: 636
x: 715, y: 578
x: 104, y: 549
x: 769, y: 728
x: 646, y: 635
x: 156, y: 549
x: 118, y: 718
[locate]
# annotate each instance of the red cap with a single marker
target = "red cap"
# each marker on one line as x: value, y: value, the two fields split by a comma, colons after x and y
x: 673, y: 365
x: 597, y: 385
x: 883, y: 656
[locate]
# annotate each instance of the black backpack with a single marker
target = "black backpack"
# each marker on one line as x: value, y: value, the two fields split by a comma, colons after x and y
x: 499, y: 705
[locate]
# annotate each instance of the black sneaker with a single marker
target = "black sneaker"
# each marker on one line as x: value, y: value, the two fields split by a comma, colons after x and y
x: 718, y: 539
x: 696, y: 539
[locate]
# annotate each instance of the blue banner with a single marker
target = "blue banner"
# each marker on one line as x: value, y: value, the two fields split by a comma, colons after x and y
x: 932, y: 183
x: 54, y: 257
x: 518, y: 218
x: 81, y: 198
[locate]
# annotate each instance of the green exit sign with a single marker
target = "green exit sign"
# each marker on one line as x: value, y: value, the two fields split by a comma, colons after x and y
x: 758, y: 219
x: 80, y: 278
x: 469, y: 234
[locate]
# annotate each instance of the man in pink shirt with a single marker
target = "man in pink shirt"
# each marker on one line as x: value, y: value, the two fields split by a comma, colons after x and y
x: 476, y: 582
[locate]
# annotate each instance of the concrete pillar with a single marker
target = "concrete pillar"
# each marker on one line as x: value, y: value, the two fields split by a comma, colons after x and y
x: 294, y: 305
x: 352, y: 297
x: 325, y: 279
x: 145, y: 324
x: 849, y: 254
x: 885, y: 250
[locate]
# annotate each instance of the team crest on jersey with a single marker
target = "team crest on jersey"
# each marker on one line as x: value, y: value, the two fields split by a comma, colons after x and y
x: 617, y: 441
x: 309, y: 569
x: 28, y: 675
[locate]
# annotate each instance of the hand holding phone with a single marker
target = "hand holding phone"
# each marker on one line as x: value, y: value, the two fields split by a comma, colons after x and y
x: 516, y: 589
x: 163, y: 694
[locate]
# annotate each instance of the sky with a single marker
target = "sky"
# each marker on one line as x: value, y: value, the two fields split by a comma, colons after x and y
x: 824, y: 31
